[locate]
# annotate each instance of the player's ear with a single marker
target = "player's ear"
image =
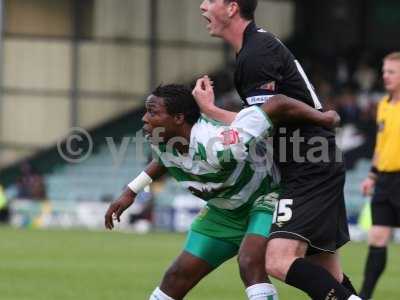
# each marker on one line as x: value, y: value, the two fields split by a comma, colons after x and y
x: 179, y: 119
x: 233, y: 9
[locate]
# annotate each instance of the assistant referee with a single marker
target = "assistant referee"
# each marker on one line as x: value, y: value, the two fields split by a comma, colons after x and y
x: 384, y: 177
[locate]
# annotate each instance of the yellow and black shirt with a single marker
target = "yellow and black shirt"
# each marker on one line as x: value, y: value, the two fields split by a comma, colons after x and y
x: 387, y: 149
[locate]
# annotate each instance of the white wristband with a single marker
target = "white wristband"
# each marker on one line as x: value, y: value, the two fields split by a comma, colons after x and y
x: 140, y: 182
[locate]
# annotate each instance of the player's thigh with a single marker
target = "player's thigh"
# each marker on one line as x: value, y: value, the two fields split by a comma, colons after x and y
x: 329, y: 261
x: 253, y: 246
x: 285, y: 248
x: 251, y: 260
x: 379, y: 235
x: 252, y: 251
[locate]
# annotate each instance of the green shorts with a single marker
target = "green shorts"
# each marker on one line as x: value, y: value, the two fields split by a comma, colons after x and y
x: 216, y: 234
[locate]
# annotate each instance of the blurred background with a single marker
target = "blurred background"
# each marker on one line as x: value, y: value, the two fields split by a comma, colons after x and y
x: 90, y: 64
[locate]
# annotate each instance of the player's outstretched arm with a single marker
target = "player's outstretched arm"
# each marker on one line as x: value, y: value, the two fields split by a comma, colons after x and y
x: 282, y: 109
x: 153, y: 171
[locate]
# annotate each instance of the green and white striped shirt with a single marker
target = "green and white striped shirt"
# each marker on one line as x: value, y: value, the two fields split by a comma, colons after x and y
x: 226, y: 166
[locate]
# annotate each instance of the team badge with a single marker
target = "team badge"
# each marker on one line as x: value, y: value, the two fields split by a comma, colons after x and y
x: 269, y: 86
x: 230, y: 137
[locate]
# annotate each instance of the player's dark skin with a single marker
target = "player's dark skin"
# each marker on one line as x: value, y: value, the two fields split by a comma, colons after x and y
x: 187, y: 270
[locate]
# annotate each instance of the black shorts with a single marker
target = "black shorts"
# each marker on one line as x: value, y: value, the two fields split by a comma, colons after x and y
x: 312, y: 209
x: 385, y: 204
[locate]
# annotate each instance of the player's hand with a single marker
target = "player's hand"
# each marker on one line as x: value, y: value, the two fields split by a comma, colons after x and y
x: 333, y: 118
x: 203, y: 93
x: 367, y: 186
x: 117, y: 208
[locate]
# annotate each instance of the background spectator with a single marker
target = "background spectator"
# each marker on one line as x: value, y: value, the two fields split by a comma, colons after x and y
x: 30, y: 185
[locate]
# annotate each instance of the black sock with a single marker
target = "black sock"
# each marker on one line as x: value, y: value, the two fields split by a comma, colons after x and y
x: 374, y: 267
x: 348, y: 285
x: 314, y: 280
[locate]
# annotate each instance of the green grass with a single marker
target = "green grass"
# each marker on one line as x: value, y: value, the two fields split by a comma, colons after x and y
x: 55, y: 264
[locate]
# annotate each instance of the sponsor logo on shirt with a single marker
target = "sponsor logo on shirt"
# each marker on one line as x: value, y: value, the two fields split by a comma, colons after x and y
x: 258, y: 99
x: 230, y: 137
x: 269, y: 86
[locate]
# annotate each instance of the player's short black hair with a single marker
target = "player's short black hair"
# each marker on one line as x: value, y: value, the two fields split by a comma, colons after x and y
x: 247, y: 8
x: 178, y: 99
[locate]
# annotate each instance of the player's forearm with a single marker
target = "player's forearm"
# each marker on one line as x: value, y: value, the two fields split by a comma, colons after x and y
x: 128, y: 196
x: 282, y: 109
x: 219, y: 114
x: 153, y: 171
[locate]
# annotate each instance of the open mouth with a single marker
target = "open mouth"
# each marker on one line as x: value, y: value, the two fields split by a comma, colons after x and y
x: 146, y: 131
x: 207, y: 19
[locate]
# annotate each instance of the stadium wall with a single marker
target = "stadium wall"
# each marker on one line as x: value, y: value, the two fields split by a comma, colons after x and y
x: 81, y: 63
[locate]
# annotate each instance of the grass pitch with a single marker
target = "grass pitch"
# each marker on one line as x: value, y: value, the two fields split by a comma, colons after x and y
x: 56, y: 264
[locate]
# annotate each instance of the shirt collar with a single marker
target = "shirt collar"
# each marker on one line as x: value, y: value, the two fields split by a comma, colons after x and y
x: 249, y: 30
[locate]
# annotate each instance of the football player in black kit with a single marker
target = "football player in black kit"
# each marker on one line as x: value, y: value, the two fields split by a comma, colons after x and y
x: 310, y: 223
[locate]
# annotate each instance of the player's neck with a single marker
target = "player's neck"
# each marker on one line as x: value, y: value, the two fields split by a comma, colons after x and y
x: 234, y: 34
x: 395, y: 97
x: 184, y: 133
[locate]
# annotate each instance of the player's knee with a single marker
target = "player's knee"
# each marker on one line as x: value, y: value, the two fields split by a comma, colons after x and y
x: 274, y: 269
x: 278, y: 260
x: 379, y: 237
x: 377, y: 241
x: 274, y: 264
x: 173, y: 276
x: 249, y: 262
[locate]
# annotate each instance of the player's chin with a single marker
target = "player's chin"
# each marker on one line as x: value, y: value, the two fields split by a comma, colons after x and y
x: 390, y: 88
x: 212, y: 32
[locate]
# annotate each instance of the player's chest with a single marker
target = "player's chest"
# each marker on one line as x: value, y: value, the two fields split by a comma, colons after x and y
x: 192, y: 163
x: 389, y: 120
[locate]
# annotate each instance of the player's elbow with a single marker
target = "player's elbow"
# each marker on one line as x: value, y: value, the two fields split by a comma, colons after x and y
x: 276, y: 108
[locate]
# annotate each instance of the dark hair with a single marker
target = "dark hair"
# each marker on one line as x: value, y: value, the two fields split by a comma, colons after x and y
x: 178, y: 99
x: 247, y: 8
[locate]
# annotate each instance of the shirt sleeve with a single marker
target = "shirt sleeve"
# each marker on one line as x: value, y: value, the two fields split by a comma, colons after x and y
x: 234, y: 141
x: 262, y: 72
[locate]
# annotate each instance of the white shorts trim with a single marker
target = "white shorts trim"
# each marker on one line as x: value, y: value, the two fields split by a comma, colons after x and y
x: 303, y: 238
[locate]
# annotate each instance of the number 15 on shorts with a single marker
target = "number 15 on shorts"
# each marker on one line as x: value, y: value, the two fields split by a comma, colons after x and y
x: 283, y: 212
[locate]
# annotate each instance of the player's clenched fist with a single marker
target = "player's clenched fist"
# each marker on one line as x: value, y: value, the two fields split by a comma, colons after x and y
x: 333, y: 119
x: 367, y: 187
x: 203, y: 92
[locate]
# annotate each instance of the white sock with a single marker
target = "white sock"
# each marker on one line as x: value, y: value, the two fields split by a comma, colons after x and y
x: 262, y: 291
x: 354, y: 297
x: 159, y: 295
